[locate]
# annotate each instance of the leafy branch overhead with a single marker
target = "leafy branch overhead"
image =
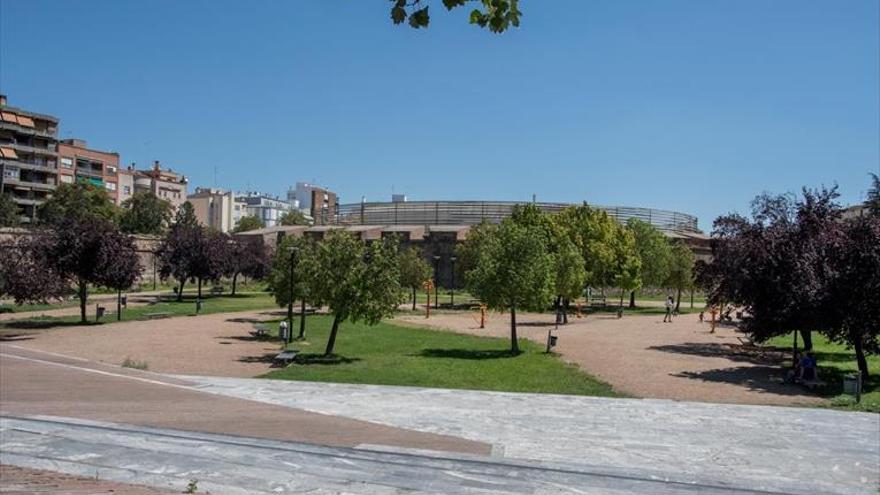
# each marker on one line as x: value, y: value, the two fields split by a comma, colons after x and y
x: 497, y: 15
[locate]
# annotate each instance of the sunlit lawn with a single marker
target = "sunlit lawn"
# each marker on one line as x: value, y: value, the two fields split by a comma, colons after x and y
x: 388, y: 354
x: 835, y: 361
x: 243, y: 301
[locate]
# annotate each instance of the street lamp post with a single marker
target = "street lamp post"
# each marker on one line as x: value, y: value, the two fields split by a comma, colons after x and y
x: 452, y: 261
x: 437, y: 280
x: 290, y: 298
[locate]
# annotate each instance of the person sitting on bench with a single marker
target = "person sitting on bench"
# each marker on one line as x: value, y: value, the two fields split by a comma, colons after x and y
x: 808, y: 368
x: 794, y: 374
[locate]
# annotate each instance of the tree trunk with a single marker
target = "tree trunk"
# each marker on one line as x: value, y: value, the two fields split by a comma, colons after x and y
x: 514, y: 345
x: 414, y: 298
x: 332, y: 340
x: 180, y: 290
x: 621, y: 298
x: 118, y: 305
x: 632, y: 299
x: 200, y: 288
x: 565, y: 304
x: 83, y: 296
x: 302, y: 319
x: 860, y: 358
x: 557, y: 303
x: 678, y: 300
x: 234, y: 280
x: 794, y: 350
x: 807, y: 337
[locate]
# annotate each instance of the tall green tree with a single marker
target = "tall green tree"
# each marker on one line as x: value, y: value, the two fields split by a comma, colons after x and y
x: 681, y: 270
x: 414, y: 271
x: 468, y: 252
x: 293, y: 217
x: 302, y: 252
x: 8, y: 211
x: 514, y: 271
x: 145, y: 213
x: 246, y: 257
x: 593, y: 232
x: 357, y: 283
x: 77, y: 201
x: 495, y: 15
x: 627, y: 264
x: 654, y: 252
x: 247, y: 223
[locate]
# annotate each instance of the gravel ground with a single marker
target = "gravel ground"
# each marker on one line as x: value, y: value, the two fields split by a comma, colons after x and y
x: 24, y: 481
x: 642, y: 356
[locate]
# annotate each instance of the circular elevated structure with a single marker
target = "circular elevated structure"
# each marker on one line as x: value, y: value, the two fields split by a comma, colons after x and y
x: 475, y: 212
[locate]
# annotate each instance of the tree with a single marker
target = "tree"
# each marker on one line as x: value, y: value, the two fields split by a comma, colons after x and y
x: 145, y: 213
x: 357, y: 282
x: 177, y: 253
x: 302, y: 252
x: 8, y: 211
x: 92, y: 251
x: 514, y: 271
x: 654, y: 254
x: 681, y: 270
x: 247, y: 223
x: 874, y: 195
x: 627, y: 264
x: 468, y: 252
x: 853, y: 294
x: 210, y: 258
x: 77, y: 201
x: 495, y: 15
x: 26, y: 275
x: 248, y: 258
x: 592, y: 231
x: 414, y: 271
x: 293, y: 217
x: 774, y: 265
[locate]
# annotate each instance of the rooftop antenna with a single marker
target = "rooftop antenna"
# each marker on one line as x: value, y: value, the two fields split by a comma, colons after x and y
x: 215, y: 176
x: 534, y: 198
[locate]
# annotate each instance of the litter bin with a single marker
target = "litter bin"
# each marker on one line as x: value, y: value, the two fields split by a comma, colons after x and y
x: 124, y: 301
x: 282, y: 331
x: 852, y: 385
x: 99, y: 312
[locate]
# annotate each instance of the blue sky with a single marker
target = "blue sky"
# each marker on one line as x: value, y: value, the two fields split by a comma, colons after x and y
x: 695, y: 106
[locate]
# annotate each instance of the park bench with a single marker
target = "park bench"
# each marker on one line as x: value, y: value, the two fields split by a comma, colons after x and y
x: 260, y: 330
x: 598, y: 300
x: 155, y: 316
x: 217, y: 290
x: 284, y: 358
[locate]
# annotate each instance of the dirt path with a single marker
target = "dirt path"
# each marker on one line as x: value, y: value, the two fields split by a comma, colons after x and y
x: 24, y: 481
x: 107, y: 300
x: 642, y: 356
x: 215, y: 345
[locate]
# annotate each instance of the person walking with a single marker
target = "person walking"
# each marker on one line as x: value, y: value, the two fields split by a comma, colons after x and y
x: 670, y: 303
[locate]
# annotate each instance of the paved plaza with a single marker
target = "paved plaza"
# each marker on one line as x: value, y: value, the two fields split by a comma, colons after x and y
x: 239, y: 435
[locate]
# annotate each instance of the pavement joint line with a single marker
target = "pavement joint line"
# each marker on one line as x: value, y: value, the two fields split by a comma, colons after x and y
x: 38, y: 351
x: 100, y: 372
x: 403, y: 459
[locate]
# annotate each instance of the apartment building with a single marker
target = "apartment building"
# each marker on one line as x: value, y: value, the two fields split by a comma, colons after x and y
x: 164, y: 183
x: 78, y: 163
x: 216, y: 208
x: 28, y: 157
x: 267, y: 208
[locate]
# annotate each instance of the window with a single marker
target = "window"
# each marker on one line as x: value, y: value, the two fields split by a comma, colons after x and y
x: 67, y: 179
x: 10, y: 173
x: 66, y: 162
x: 111, y: 186
x: 126, y: 190
x: 111, y: 170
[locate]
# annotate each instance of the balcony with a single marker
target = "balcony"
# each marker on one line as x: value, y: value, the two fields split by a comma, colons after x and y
x: 30, y: 184
x: 24, y: 148
x: 51, y: 132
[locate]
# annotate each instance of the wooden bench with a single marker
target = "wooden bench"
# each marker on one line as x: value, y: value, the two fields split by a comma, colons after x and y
x: 217, y: 290
x: 598, y: 301
x: 285, y: 358
x: 155, y: 316
x: 260, y: 330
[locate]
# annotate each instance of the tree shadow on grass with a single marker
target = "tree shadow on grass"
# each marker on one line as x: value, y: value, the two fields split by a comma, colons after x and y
x: 320, y: 359
x: 249, y: 338
x: 466, y: 354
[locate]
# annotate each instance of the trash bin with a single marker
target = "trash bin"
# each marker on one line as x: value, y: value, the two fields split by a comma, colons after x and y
x: 553, y: 341
x: 282, y: 331
x: 99, y: 312
x: 198, y: 305
x: 124, y: 301
x: 852, y: 384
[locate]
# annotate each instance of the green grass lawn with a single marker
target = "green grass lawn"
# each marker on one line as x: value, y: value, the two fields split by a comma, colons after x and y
x: 835, y: 361
x: 243, y: 301
x: 388, y: 354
